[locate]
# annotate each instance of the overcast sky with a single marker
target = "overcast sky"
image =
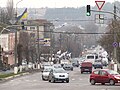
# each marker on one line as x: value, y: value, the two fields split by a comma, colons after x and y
x: 53, y: 3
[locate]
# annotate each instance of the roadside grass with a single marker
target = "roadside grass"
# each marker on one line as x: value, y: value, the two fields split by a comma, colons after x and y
x: 8, y: 75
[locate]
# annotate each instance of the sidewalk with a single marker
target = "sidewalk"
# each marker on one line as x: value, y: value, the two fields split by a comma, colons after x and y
x: 16, y: 75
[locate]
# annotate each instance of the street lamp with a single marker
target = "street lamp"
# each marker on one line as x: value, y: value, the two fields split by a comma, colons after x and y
x: 16, y: 7
x: 15, y: 68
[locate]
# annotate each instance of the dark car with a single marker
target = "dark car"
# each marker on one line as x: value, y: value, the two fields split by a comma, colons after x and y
x: 98, y: 64
x: 68, y: 67
x: 86, y: 67
x: 104, y: 76
x: 75, y: 63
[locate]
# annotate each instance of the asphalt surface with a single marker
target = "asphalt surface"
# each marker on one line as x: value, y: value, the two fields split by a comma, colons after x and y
x: 34, y: 81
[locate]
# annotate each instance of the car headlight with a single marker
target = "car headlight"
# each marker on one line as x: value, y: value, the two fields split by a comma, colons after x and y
x: 117, y: 77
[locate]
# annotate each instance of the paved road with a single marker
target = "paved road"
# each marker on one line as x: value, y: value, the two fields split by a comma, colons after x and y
x: 34, y: 82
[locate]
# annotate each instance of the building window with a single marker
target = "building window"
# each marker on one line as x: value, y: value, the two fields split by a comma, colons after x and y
x: 32, y: 28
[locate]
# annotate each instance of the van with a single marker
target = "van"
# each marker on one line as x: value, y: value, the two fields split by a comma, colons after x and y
x: 91, y: 58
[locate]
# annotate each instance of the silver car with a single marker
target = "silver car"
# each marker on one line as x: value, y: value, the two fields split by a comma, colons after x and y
x: 58, y: 74
x: 45, y: 73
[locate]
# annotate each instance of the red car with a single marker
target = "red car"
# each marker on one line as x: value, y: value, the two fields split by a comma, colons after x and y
x: 104, y: 76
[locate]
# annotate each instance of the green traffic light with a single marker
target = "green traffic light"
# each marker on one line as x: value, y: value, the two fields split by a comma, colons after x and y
x: 88, y: 14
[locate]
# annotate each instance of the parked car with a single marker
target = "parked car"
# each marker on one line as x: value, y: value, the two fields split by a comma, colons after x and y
x: 45, y: 73
x: 98, y: 64
x: 68, y: 67
x: 86, y: 67
x: 104, y: 76
x: 58, y: 74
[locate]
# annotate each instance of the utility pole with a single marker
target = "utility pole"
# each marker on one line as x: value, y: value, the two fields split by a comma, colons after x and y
x: 38, y: 45
x: 115, y: 40
x: 0, y: 52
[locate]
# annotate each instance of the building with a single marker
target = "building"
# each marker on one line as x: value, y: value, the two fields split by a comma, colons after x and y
x: 40, y: 31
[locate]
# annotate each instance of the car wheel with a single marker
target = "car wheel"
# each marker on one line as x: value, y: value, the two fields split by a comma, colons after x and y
x: 49, y: 80
x: 52, y: 80
x: 112, y: 82
x: 92, y: 82
x: 67, y: 81
x: 43, y: 78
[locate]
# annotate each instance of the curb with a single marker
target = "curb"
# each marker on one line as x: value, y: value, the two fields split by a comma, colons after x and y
x: 12, y: 77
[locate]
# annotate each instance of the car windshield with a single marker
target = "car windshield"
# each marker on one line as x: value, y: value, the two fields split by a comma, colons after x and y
x: 47, y: 69
x: 67, y: 64
x: 59, y: 70
x: 112, y: 72
x: 90, y: 57
x: 98, y: 62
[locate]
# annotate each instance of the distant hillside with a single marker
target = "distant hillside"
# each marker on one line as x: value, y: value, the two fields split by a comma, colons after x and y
x: 74, y: 16
x: 77, y: 14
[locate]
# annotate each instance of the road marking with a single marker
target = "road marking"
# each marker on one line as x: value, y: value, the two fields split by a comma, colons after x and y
x: 73, y: 79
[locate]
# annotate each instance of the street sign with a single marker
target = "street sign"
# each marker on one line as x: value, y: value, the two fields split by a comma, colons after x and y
x: 99, y: 18
x: 44, y: 41
x: 13, y: 21
x: 99, y: 4
x: 115, y: 44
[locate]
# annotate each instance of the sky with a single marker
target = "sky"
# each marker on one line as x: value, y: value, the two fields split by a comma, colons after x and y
x: 52, y: 3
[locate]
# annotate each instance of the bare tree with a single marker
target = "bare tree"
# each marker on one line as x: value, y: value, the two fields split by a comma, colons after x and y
x: 10, y: 9
x: 107, y: 40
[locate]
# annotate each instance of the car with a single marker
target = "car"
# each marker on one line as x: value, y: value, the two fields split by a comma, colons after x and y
x: 45, y: 73
x: 58, y: 74
x: 68, y: 67
x: 86, y: 67
x: 98, y: 64
x: 75, y: 63
x: 45, y: 64
x: 57, y: 66
x: 104, y: 76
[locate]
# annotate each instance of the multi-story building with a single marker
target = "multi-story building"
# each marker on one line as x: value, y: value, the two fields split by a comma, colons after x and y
x: 39, y: 29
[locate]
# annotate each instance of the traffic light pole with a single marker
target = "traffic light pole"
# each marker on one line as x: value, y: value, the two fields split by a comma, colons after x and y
x: 106, y: 12
x: 115, y: 49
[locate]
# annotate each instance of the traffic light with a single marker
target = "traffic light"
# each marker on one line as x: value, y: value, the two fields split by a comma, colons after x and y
x: 23, y: 27
x: 88, y: 13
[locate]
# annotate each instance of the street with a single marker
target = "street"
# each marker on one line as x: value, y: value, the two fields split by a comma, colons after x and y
x: 78, y: 81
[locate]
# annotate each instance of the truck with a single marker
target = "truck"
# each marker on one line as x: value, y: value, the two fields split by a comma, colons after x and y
x: 86, y: 67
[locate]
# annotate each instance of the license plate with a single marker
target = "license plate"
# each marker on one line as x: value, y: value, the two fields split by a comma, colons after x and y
x: 86, y: 69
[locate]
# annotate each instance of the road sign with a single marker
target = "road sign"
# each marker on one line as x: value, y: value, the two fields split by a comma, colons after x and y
x: 99, y: 18
x: 115, y: 44
x: 13, y: 21
x: 99, y: 4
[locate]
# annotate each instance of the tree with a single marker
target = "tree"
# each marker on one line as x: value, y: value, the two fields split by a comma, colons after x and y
x: 107, y: 40
x: 10, y: 9
x: 7, y: 13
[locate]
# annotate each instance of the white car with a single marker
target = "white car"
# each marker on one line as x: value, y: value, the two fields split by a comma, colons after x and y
x: 58, y: 74
x: 46, y: 72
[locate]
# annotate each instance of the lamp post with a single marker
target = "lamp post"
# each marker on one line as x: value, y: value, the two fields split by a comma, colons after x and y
x: 16, y: 7
x: 15, y: 68
x: 51, y: 41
